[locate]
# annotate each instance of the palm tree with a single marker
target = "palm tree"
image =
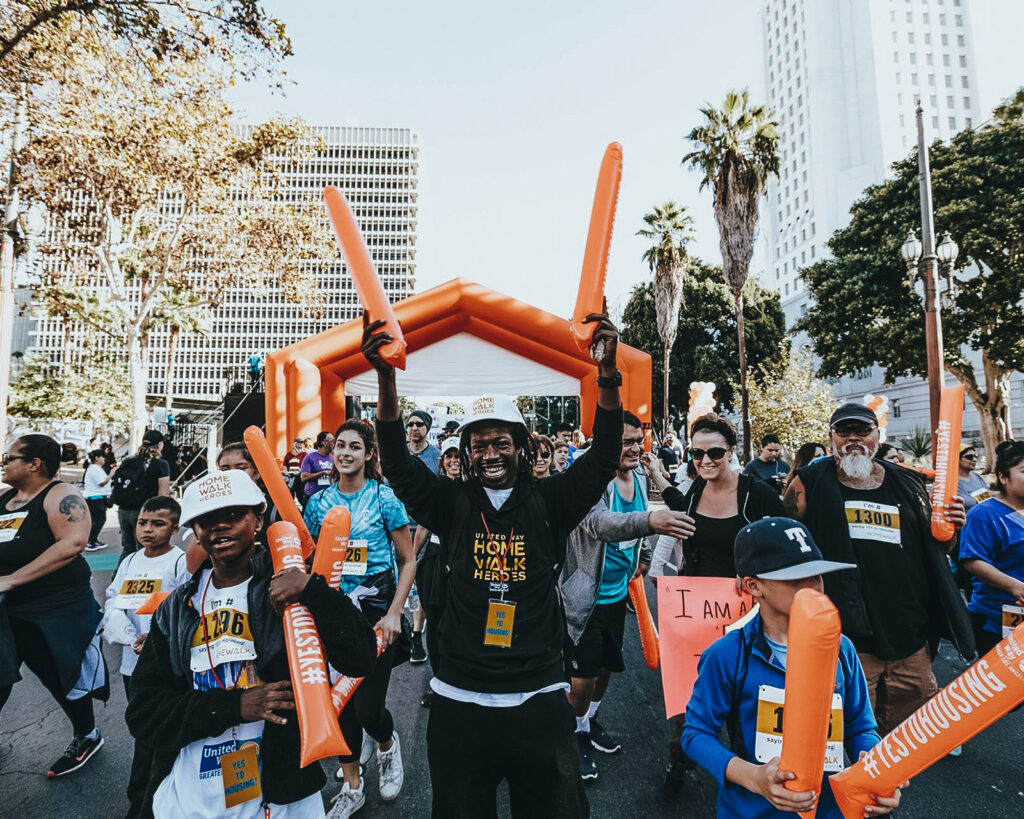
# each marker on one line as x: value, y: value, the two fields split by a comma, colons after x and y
x: 737, y: 151
x: 669, y: 228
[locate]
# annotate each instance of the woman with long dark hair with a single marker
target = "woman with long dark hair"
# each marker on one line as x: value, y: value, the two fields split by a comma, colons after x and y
x: 48, y: 615
x: 379, y: 572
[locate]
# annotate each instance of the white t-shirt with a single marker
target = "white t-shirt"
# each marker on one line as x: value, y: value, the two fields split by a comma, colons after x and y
x: 498, y: 496
x: 222, y: 655
x: 136, y: 579
x: 94, y: 476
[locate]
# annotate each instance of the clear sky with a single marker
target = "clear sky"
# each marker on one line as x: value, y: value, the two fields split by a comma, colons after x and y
x: 514, y: 104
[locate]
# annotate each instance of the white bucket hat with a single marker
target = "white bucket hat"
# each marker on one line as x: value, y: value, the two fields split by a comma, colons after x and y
x: 500, y: 408
x: 219, y: 490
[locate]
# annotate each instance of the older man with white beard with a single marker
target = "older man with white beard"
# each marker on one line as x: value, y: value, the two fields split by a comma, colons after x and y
x: 902, y: 598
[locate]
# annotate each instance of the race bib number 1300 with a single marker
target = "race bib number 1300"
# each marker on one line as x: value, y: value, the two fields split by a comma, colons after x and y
x: 873, y: 521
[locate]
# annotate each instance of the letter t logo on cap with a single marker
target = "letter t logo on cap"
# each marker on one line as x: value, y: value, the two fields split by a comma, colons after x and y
x: 796, y: 533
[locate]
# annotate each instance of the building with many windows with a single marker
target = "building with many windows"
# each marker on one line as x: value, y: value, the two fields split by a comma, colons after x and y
x: 845, y: 80
x: 377, y: 169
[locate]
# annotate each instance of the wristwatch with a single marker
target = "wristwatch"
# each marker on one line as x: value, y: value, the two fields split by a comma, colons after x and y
x: 610, y: 381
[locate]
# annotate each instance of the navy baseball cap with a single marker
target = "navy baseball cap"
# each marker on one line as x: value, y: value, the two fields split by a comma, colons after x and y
x: 780, y: 549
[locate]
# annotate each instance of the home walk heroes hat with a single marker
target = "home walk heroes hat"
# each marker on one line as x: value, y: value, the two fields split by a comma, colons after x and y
x: 780, y: 549
x: 852, y: 411
x: 219, y: 490
x: 493, y: 408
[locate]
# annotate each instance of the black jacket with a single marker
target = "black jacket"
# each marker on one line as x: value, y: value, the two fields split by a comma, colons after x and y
x: 540, y: 514
x: 754, y: 498
x: 166, y: 713
x: 826, y: 519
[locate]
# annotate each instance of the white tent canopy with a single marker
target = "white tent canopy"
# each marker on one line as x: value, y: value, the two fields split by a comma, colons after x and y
x: 463, y: 364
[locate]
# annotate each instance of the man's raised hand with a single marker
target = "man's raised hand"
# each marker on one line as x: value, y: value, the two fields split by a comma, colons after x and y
x: 373, y: 341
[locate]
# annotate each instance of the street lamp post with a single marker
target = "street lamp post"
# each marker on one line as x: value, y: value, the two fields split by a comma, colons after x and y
x: 922, y: 262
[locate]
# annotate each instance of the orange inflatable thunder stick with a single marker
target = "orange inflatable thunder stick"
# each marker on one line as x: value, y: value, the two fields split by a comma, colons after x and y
x: 648, y: 633
x: 152, y: 603
x: 814, y: 631
x: 266, y: 465
x: 590, y: 298
x: 364, y: 275
x: 329, y: 561
x: 947, y: 456
x: 318, y: 727
x: 985, y: 692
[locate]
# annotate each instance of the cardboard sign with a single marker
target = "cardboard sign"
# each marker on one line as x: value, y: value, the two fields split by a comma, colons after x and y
x: 692, y: 613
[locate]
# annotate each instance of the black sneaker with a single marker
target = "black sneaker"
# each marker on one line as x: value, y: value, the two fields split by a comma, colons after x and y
x: 427, y: 699
x: 601, y: 739
x: 79, y: 752
x: 419, y: 653
x: 588, y: 768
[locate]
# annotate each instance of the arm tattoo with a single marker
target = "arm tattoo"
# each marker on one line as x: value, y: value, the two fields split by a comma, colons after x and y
x: 74, y: 507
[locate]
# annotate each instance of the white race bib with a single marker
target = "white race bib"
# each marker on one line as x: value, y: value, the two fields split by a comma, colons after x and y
x: 324, y: 480
x: 873, y: 521
x: 135, y: 589
x: 1013, y: 616
x: 355, y: 559
x: 10, y: 523
x: 230, y: 640
x: 768, y: 736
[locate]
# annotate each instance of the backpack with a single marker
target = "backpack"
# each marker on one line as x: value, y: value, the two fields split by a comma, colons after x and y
x: 128, y: 486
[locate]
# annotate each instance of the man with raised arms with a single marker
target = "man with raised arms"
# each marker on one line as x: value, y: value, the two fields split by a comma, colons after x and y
x: 500, y: 708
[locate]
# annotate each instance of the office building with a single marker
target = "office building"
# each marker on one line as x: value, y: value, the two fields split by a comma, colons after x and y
x: 377, y: 169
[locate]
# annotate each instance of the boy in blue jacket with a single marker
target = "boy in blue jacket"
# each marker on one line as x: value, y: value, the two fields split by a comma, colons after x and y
x: 742, y: 676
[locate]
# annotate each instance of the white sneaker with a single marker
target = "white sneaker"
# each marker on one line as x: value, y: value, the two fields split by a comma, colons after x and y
x: 347, y: 802
x: 366, y: 752
x: 392, y: 774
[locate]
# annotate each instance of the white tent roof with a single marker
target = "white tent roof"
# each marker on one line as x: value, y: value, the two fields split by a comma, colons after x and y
x: 463, y: 364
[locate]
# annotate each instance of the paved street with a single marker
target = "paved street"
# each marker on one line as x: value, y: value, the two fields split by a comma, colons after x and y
x: 987, y: 781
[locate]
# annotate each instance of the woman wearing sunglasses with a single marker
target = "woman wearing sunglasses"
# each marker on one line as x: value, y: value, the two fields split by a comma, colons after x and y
x: 970, y: 485
x: 720, y: 502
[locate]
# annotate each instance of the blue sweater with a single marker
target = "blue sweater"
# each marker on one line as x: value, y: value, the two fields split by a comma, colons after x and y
x: 743, y: 658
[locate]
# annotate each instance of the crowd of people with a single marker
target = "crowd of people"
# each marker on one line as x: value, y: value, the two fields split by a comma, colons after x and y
x: 512, y: 552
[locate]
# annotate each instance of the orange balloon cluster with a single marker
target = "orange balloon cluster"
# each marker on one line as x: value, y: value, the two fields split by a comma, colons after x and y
x: 319, y: 733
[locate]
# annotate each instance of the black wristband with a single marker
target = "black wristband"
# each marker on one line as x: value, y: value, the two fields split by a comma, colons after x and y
x: 610, y: 381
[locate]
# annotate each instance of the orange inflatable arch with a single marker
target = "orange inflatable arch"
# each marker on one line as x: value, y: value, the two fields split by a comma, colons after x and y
x: 306, y: 382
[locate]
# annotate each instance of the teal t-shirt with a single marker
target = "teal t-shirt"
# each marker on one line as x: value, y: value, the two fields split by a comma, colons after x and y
x: 619, y: 558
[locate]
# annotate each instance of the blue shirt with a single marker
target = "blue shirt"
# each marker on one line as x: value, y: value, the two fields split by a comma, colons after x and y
x: 620, y: 558
x: 744, y: 658
x: 994, y: 532
x: 375, y: 511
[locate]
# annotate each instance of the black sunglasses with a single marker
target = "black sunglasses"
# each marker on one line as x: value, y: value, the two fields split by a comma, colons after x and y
x: 716, y: 453
x: 6, y: 458
x: 846, y: 430
x: 415, y: 424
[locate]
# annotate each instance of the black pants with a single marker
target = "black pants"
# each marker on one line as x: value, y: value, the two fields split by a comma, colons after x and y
x: 138, y: 776
x: 367, y: 710
x: 33, y: 652
x: 472, y: 748
x: 98, y: 512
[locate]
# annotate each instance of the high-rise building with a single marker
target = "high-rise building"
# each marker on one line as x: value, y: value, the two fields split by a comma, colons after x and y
x: 845, y: 79
x: 377, y: 169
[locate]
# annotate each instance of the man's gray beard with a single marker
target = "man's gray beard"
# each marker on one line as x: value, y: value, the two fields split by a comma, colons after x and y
x: 856, y: 465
